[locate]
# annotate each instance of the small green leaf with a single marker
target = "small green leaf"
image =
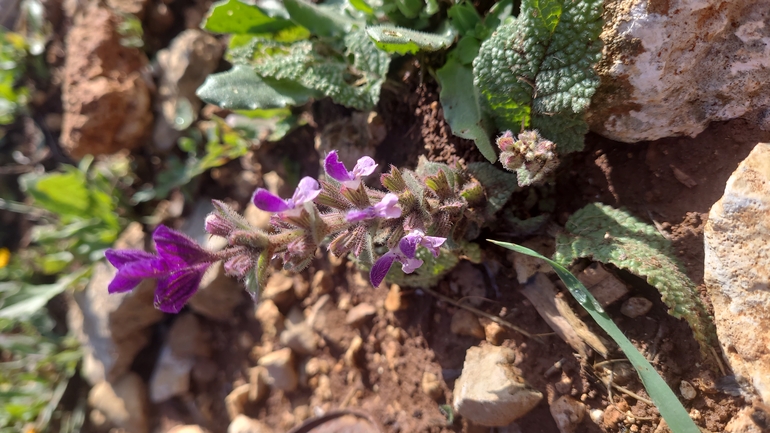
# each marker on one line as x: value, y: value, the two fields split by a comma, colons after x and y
x: 320, y: 19
x: 668, y: 404
x: 461, y: 103
x: 362, y: 6
x: 410, y: 8
x: 464, y: 17
x: 401, y: 40
x: 237, y: 17
x: 30, y: 299
x: 241, y: 88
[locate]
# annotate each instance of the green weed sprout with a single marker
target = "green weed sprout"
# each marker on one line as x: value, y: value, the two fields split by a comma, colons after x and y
x: 665, y: 400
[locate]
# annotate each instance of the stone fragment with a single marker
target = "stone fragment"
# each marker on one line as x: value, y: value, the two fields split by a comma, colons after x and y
x: 466, y: 323
x: 171, y: 376
x: 393, y: 301
x: 236, y: 401
x: 468, y: 282
x: 244, y: 424
x: 280, y: 369
x: 105, y: 97
x: 322, y: 283
x: 490, y: 390
x: 184, y: 65
x: 269, y: 317
x: 113, y: 328
x: 749, y: 420
x: 568, y: 413
x: 323, y: 392
x: 190, y: 428
x: 527, y: 266
x: 279, y: 289
x: 636, y: 306
x: 360, y: 314
x: 301, y: 338
x: 687, y: 390
x: 605, y: 286
x: 354, y: 349
x: 124, y: 403
x: 258, y: 387
x: 494, y: 333
x: 737, y: 270
x: 431, y: 386
x: 649, y: 89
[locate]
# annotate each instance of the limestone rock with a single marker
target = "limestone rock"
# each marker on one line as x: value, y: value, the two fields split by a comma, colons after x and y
x: 184, y: 65
x: 244, y: 424
x: 568, y: 413
x: 235, y: 402
x: 171, y: 376
x: 280, y: 289
x: 218, y: 295
x: 269, y: 317
x: 490, y: 391
x: 360, y: 314
x: 737, y: 269
x: 431, y: 386
x: 649, y: 88
x: 605, y: 286
x: 105, y: 97
x: 466, y: 323
x: 280, y: 369
x: 113, y: 328
x: 301, y: 338
x: 749, y: 420
x: 258, y: 387
x: 636, y: 306
x: 189, y: 428
x: 123, y: 403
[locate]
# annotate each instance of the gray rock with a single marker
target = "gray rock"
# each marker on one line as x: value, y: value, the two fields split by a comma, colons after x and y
x: 301, y: 338
x: 636, y: 306
x: 218, y: 295
x: 123, y: 403
x: 113, y: 328
x: 280, y: 289
x: 244, y: 424
x: 281, y: 373
x: 568, y: 413
x: 603, y: 284
x: 744, y: 421
x: 650, y: 88
x: 490, y: 390
x: 171, y: 376
x: 737, y: 269
x: 184, y: 65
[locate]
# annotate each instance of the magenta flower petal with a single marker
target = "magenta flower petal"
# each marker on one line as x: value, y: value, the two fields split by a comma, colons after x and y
x: 119, y: 258
x: 307, y: 190
x: 174, y: 290
x: 133, y: 266
x: 356, y: 215
x: 268, y: 202
x: 410, y: 265
x: 432, y: 243
x: 175, y: 247
x: 335, y: 168
x: 381, y: 267
x: 408, y: 244
x: 364, y: 167
x: 122, y: 283
x: 388, y: 207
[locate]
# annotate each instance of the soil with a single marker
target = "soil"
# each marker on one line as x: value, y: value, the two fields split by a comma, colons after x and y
x: 670, y: 183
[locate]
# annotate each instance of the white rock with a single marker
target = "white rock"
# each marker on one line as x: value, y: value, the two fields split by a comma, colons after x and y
x: 113, y: 328
x: 301, y: 338
x: 568, y: 413
x: 603, y: 284
x: 490, y: 391
x: 189, y: 428
x: 244, y: 424
x: 737, y: 269
x: 184, y: 65
x: 280, y: 369
x: 123, y: 403
x: 235, y: 402
x: 650, y: 88
x: 636, y: 306
x: 360, y: 314
x: 744, y: 421
x: 218, y: 295
x: 171, y: 376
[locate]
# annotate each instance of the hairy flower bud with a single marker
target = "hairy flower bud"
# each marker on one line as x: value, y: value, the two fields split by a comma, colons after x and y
x: 218, y: 226
x: 251, y: 238
x: 238, y: 266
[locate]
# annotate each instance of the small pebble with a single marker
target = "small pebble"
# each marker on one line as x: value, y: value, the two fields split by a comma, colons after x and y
x: 636, y: 306
x: 687, y: 390
x: 466, y: 323
x: 360, y: 313
x: 431, y: 386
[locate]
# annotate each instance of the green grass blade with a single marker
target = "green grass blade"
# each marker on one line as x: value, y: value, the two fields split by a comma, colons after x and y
x: 670, y: 408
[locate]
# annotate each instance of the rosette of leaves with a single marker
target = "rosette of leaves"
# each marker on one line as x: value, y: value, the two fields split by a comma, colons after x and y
x: 614, y: 236
x: 285, y: 54
x: 536, y: 71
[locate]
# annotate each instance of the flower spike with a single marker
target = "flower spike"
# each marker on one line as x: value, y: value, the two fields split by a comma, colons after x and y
x: 387, y: 208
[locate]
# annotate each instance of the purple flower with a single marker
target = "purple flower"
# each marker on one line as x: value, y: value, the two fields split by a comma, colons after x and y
x: 351, y: 179
x: 404, y: 253
x: 307, y: 190
x: 179, y: 267
x: 386, y: 208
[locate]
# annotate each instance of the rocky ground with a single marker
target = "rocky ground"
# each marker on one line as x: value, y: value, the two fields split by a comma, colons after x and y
x: 324, y: 343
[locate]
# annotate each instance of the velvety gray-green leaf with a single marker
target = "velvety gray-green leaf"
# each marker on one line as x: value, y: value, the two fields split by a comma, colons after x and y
x: 241, y: 88
x: 676, y: 416
x: 498, y: 184
x: 462, y: 106
x: 614, y: 236
x: 320, y: 19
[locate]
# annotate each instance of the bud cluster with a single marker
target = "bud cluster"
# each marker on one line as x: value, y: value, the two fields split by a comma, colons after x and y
x: 532, y: 157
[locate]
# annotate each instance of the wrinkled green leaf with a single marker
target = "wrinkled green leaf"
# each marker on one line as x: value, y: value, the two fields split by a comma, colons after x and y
x: 498, y: 184
x: 237, y: 17
x: 615, y: 236
x: 321, y: 20
x: 401, y: 40
x: 241, y: 88
x: 676, y: 416
x: 462, y: 109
